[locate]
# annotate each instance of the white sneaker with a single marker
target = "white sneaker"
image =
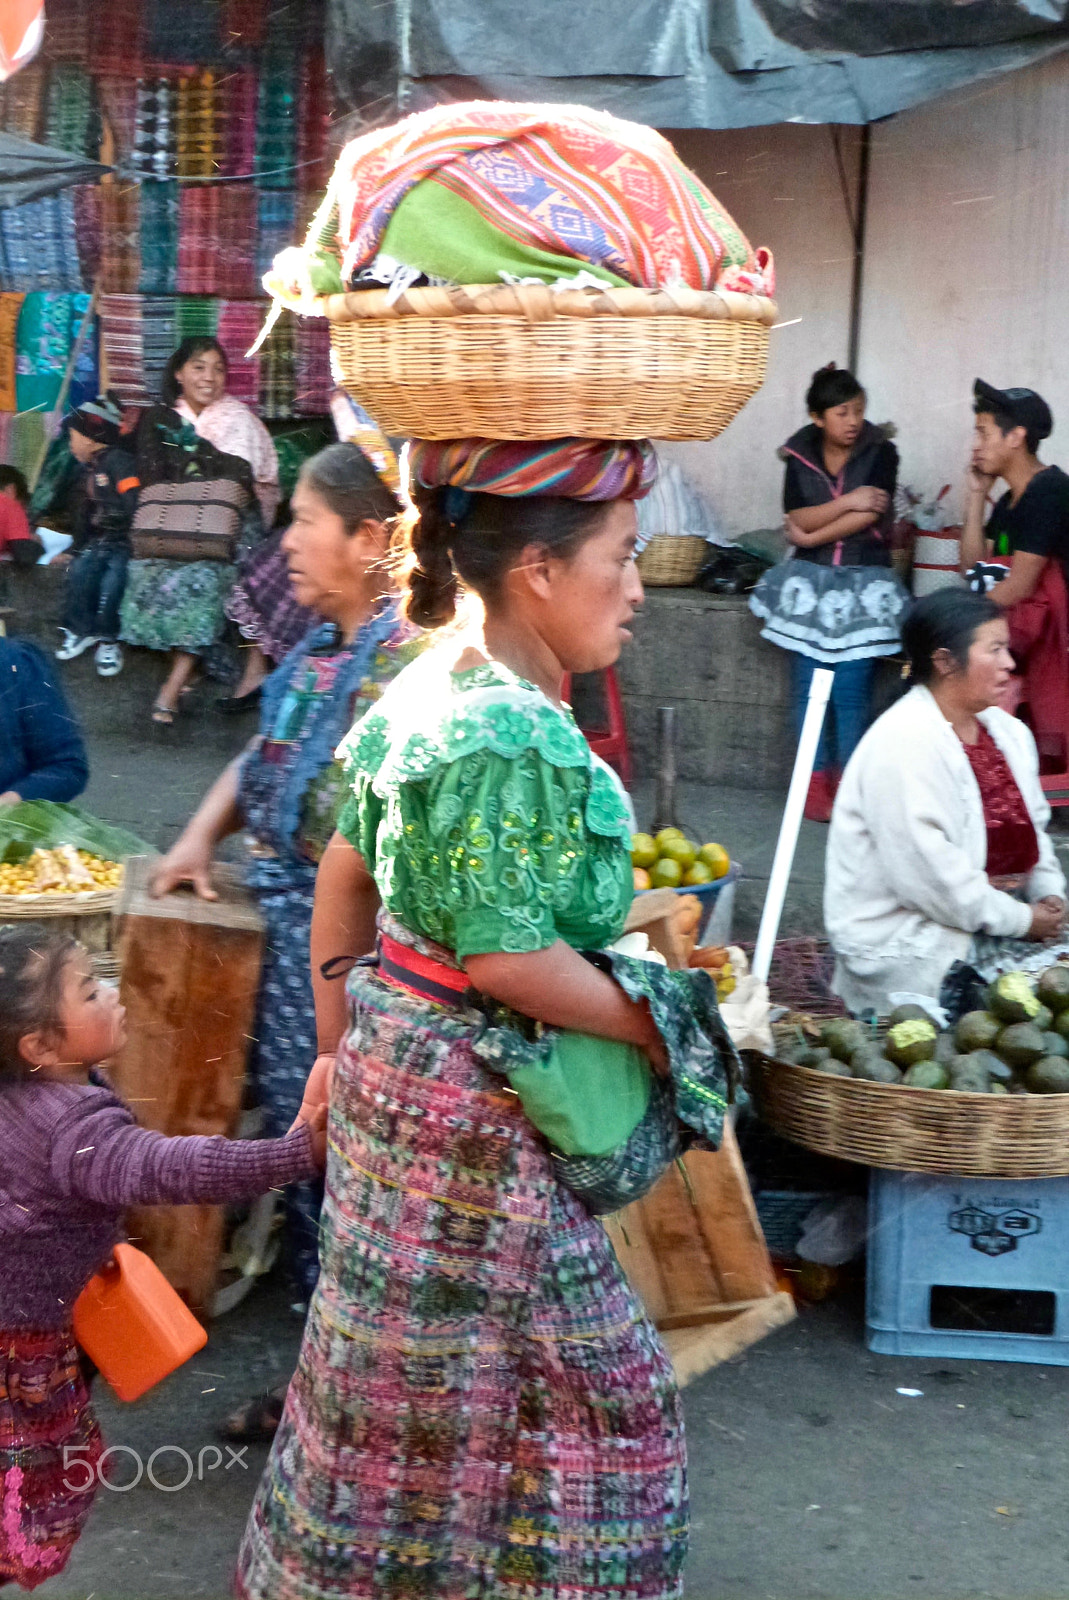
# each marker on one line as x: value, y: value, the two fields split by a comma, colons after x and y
x: 108, y: 660
x: 73, y: 646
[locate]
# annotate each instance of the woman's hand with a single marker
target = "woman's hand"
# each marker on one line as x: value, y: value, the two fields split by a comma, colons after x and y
x: 189, y: 860
x: 1048, y: 919
x: 865, y: 499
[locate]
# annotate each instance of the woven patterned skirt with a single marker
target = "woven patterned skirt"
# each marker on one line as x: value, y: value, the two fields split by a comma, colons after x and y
x: 481, y: 1410
x: 176, y: 605
x: 49, y: 1441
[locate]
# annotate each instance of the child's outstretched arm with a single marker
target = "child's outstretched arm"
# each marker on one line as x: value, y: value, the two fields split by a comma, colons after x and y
x: 99, y: 1153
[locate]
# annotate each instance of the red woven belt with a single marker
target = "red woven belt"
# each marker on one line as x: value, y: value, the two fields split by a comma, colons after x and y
x: 422, y: 975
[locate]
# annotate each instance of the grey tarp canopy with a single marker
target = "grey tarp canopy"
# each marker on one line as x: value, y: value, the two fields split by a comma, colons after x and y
x: 28, y: 171
x: 685, y: 63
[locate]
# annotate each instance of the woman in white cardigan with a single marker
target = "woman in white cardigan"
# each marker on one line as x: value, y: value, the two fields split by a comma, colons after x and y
x: 938, y: 850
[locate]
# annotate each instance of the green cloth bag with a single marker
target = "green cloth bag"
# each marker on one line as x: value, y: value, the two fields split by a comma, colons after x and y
x: 586, y: 1095
x: 443, y: 235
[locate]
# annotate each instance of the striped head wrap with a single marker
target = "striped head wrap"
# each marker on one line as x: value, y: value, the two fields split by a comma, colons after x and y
x: 567, y: 469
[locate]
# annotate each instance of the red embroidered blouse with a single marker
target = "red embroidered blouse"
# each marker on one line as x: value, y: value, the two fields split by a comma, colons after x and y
x: 1012, y: 846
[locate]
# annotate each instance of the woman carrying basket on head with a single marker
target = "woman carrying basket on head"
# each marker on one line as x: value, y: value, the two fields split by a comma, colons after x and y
x: 481, y: 1405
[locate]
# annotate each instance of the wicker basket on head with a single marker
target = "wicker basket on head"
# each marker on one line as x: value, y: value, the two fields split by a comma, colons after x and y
x: 500, y: 361
x: 87, y: 916
x: 913, y: 1130
x: 671, y: 560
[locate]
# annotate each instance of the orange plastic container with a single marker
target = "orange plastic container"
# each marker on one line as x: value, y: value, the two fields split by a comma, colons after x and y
x: 133, y: 1326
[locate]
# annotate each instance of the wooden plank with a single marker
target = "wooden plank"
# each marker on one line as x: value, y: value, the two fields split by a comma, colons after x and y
x: 190, y: 975
x: 696, y: 1350
x: 726, y: 1215
x: 683, y: 1258
x: 630, y: 1240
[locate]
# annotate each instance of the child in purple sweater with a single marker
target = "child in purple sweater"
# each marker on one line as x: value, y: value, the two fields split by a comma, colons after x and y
x: 71, y: 1159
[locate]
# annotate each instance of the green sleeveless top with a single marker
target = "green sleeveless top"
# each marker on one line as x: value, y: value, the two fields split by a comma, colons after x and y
x: 482, y: 814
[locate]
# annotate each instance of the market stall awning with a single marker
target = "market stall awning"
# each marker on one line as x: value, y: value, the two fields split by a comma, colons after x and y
x: 28, y: 171
x: 685, y: 63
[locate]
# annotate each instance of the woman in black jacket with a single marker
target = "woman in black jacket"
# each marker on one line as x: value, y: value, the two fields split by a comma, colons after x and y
x: 835, y: 601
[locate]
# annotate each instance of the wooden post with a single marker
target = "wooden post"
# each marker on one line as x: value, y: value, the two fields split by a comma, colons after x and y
x: 190, y: 976
x: 693, y: 1248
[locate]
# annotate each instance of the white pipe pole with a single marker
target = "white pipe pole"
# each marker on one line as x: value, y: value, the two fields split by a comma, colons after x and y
x: 819, y: 690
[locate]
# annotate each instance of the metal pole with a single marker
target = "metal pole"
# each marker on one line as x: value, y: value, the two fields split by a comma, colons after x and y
x: 664, y: 810
x: 819, y: 690
x: 860, y: 221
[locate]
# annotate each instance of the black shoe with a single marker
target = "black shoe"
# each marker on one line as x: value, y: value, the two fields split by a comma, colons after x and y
x: 232, y: 705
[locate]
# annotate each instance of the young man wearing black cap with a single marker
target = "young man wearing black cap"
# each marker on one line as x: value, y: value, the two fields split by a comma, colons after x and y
x: 100, y: 552
x: 1028, y: 531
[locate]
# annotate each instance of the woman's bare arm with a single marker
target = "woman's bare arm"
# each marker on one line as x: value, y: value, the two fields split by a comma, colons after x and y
x: 845, y: 524
x: 557, y: 986
x: 343, y: 928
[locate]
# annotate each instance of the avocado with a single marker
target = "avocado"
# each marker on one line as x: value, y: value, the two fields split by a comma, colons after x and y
x: 871, y: 1067
x: 1053, y: 989
x: 999, y: 1088
x: 945, y: 1049
x: 908, y: 1013
x: 1043, y: 1019
x: 909, y: 1042
x: 1055, y: 1045
x: 1061, y: 1024
x: 1020, y: 1044
x: 977, y: 1030
x: 1048, y: 1075
x: 842, y: 1037
x: 1012, y: 999
x: 812, y: 1056
x: 926, y: 1075
x: 998, y: 1071
x: 970, y: 1078
x: 833, y: 1068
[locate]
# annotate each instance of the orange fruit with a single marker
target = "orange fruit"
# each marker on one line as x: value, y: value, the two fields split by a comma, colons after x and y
x: 665, y: 874
x: 641, y: 877
x: 698, y: 873
x: 680, y: 850
x: 715, y: 858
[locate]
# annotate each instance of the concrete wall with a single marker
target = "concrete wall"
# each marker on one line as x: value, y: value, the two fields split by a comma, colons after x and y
x: 966, y: 272
x: 702, y: 653
x: 781, y: 184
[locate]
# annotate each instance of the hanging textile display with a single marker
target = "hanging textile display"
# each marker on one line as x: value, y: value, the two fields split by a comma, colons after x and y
x: 123, y: 342
x: 120, y: 260
x: 10, y: 307
x: 47, y: 328
x: 159, y: 237
x: 239, y: 324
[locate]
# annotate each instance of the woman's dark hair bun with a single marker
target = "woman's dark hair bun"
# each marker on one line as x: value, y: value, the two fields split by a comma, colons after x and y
x: 478, y: 546
x: 946, y: 620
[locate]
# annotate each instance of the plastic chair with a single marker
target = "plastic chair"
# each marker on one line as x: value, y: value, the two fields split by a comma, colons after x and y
x: 609, y: 743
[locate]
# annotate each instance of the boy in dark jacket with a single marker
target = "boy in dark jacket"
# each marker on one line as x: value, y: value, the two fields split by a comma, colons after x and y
x: 101, y: 550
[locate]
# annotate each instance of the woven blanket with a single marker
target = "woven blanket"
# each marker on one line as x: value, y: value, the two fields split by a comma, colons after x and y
x: 159, y: 339
x: 120, y: 257
x: 574, y: 182
x: 237, y: 133
x: 118, y: 108
x: 159, y: 237
x: 313, y: 123
x: 48, y: 326
x: 183, y: 32
x: 276, y: 129
x: 198, y: 139
x: 278, y: 372
x: 155, y: 130
x: 68, y: 30
x: 277, y: 226
x: 23, y: 101
x: 217, y: 225
x: 70, y: 123
x: 87, y: 227
x: 40, y: 247
x: 122, y: 338
x: 117, y: 38
x: 239, y: 324
x: 194, y: 317
x: 314, y: 383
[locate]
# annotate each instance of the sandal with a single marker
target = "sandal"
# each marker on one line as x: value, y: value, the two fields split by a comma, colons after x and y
x: 255, y: 1422
x: 163, y: 716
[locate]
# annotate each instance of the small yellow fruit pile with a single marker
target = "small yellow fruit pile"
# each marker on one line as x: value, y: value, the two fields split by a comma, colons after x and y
x: 672, y: 861
x: 62, y: 870
x: 719, y: 965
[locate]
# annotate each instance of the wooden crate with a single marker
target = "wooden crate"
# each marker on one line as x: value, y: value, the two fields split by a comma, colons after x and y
x: 693, y: 1248
x: 190, y: 975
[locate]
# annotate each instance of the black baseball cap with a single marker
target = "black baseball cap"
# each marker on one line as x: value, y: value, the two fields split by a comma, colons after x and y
x: 1027, y: 408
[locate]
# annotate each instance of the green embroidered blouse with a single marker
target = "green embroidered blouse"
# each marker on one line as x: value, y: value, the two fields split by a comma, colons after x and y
x: 486, y: 821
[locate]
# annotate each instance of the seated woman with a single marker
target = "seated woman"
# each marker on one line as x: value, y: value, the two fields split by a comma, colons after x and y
x: 42, y: 753
x: 938, y: 849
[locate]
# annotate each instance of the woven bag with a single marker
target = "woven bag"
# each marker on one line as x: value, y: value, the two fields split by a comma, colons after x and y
x: 199, y: 520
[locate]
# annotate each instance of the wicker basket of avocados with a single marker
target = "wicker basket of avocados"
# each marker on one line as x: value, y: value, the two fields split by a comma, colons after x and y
x: 988, y: 1097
